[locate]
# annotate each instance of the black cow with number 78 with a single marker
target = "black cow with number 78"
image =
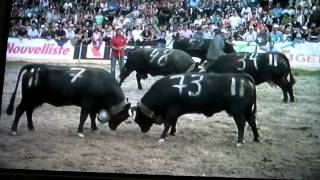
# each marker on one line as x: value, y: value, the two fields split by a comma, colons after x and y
x: 157, y: 61
x: 271, y: 67
x: 205, y: 93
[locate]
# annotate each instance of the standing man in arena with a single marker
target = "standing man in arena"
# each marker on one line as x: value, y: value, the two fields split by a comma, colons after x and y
x: 216, y: 46
x: 118, y: 43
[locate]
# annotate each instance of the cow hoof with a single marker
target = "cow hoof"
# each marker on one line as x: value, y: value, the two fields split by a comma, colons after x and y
x: 81, y: 135
x: 13, y: 133
x: 256, y: 140
x: 285, y: 101
x: 239, y: 144
x: 161, y: 140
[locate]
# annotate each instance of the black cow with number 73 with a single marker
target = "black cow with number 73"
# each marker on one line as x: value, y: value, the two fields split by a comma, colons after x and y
x: 205, y: 93
x: 271, y: 67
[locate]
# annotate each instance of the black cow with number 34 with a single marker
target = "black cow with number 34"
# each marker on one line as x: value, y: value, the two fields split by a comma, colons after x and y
x: 206, y: 93
x: 271, y: 67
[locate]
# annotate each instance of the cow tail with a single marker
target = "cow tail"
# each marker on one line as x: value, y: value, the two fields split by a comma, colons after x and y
x: 10, y: 107
x: 254, y: 104
x: 292, y: 79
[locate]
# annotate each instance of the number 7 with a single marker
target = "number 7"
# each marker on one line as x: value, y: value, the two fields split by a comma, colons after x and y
x: 75, y: 76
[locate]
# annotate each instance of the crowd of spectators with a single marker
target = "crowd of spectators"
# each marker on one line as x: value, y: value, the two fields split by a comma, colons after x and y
x: 157, y: 22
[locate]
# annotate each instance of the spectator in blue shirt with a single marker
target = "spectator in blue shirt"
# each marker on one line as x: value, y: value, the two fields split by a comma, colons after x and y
x: 276, y: 35
x: 276, y: 12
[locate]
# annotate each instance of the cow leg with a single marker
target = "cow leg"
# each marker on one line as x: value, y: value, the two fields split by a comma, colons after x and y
x: 251, y: 119
x: 240, y: 121
x: 284, y: 84
x: 138, y: 76
x: 93, y: 121
x: 285, y: 94
x: 170, y: 119
x: 165, y: 132
x: 123, y: 75
x: 83, y: 118
x: 29, y: 119
x: 290, y: 91
x: 19, y: 113
x: 173, y: 128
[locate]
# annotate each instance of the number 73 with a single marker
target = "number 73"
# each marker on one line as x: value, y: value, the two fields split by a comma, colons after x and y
x: 182, y: 85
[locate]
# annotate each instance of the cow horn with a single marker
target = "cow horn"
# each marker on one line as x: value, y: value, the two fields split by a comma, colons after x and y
x: 132, y: 111
x: 133, y: 108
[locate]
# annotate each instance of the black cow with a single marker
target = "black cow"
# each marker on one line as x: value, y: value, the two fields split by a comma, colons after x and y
x: 207, y: 93
x: 94, y: 90
x: 198, y: 47
x: 273, y: 67
x: 156, y: 61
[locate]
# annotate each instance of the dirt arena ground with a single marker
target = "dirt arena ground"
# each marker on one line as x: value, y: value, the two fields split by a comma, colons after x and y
x: 289, y: 138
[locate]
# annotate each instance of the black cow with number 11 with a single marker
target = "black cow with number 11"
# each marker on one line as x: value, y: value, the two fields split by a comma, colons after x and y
x: 206, y: 93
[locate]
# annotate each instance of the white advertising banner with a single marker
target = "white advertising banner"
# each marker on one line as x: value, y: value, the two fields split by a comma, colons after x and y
x: 38, y: 49
x: 301, y: 55
x: 95, y: 52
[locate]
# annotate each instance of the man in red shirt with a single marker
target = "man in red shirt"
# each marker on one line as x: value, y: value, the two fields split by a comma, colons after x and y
x: 118, y: 43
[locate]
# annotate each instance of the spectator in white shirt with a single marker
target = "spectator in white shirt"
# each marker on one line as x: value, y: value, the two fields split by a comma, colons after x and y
x: 198, y: 21
x: 33, y: 32
x: 136, y: 35
x: 235, y: 21
x: 44, y: 3
x: 67, y: 5
x: 250, y: 36
x: 70, y: 34
x: 207, y: 34
x: 185, y: 33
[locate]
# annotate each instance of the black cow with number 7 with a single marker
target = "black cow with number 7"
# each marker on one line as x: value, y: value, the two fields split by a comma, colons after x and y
x: 272, y: 67
x: 92, y: 89
x: 206, y: 93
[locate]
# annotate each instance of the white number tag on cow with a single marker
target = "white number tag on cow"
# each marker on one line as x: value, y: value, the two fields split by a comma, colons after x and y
x: 75, y: 76
x: 153, y: 55
x: 233, y: 87
x: 243, y: 60
x: 253, y: 57
x: 181, y: 84
x: 162, y: 60
x: 273, y: 59
x: 197, y: 82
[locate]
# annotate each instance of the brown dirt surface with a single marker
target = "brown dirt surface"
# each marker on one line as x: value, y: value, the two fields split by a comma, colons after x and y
x: 203, y: 146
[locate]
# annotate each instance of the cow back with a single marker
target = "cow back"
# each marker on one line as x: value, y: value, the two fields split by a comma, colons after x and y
x: 261, y: 66
x: 158, y: 61
x: 199, y: 92
x: 62, y: 85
